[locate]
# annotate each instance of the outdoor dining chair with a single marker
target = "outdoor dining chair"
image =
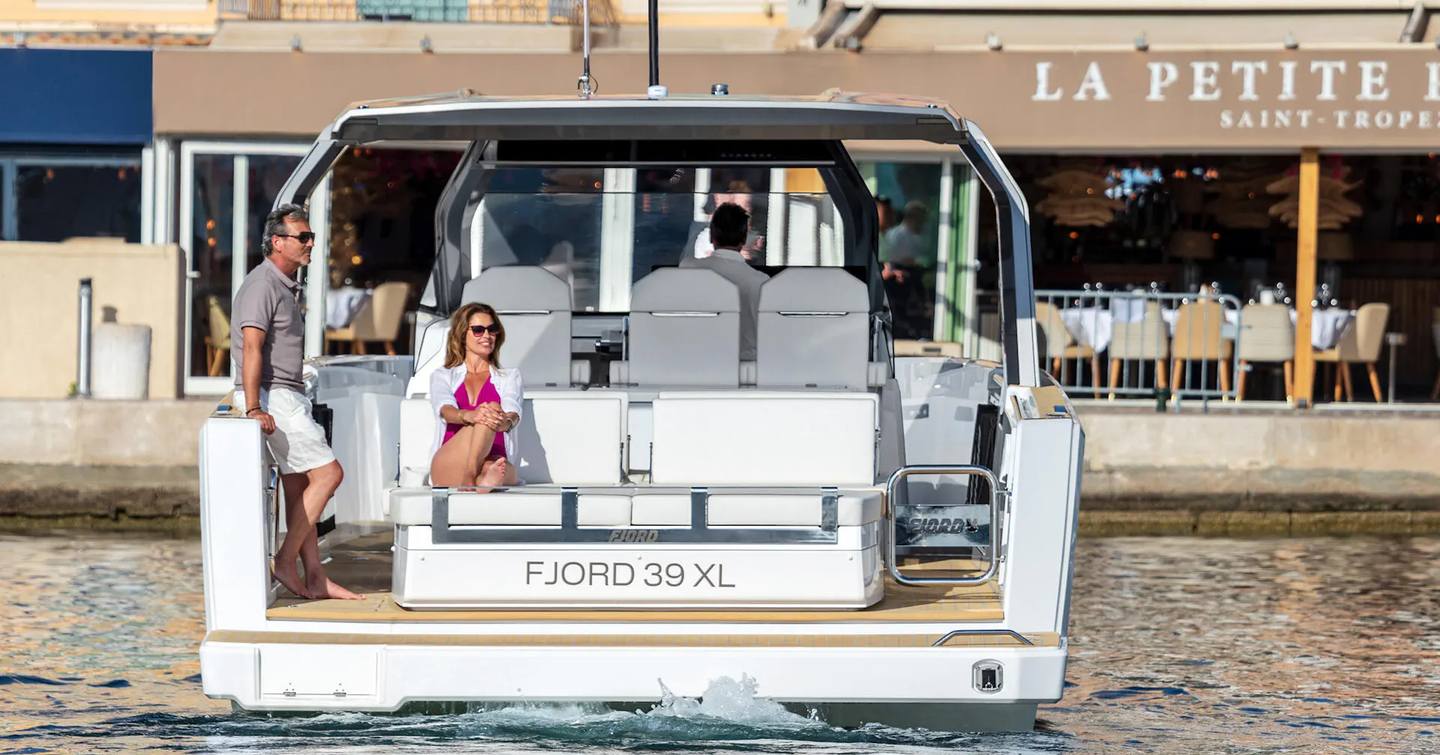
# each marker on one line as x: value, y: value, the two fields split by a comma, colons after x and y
x: 1061, y: 347
x: 1145, y: 340
x: 217, y: 344
x: 1266, y: 335
x: 1199, y: 337
x: 379, y: 319
x: 1360, y: 342
x: 1435, y: 330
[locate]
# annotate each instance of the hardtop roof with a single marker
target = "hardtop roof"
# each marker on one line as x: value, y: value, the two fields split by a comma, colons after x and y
x: 465, y: 115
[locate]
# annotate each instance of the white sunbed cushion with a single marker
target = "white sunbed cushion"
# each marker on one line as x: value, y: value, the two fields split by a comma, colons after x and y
x: 661, y: 510
x: 854, y: 508
x: 764, y: 438
x: 572, y: 437
x: 510, y: 508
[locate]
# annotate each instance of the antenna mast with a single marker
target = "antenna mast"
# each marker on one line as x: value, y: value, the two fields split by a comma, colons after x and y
x: 655, y: 89
x: 587, y: 83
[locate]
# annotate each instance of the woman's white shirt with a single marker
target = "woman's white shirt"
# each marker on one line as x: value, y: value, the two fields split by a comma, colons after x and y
x: 443, y: 384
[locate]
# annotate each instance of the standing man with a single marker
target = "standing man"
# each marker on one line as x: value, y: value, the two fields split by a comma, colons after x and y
x: 267, y: 320
x: 728, y: 228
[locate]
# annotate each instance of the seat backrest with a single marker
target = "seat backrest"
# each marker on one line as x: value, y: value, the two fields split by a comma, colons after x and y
x: 1266, y: 333
x: 565, y: 438
x: 534, y: 307
x: 1362, y: 339
x: 1057, y: 336
x: 813, y: 330
x: 684, y: 329
x: 219, y: 323
x: 572, y: 437
x: 382, y: 313
x: 1198, y: 326
x: 1139, y: 330
x: 1435, y: 330
x: 764, y: 438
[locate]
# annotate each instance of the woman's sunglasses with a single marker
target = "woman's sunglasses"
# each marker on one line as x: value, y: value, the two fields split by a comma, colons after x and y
x: 479, y: 330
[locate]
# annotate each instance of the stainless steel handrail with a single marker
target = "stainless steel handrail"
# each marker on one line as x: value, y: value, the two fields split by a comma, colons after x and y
x: 980, y: 632
x: 937, y: 469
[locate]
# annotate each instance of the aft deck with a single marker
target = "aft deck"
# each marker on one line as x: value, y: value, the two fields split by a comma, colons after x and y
x: 363, y: 563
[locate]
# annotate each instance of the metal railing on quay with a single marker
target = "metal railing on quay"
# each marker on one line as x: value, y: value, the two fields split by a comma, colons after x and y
x: 1141, y: 343
x: 556, y: 12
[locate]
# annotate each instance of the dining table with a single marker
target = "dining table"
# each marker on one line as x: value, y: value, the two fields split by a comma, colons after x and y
x: 342, y: 304
x: 1095, y: 326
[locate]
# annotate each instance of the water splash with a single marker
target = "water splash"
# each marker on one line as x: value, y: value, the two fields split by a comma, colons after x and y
x: 733, y: 701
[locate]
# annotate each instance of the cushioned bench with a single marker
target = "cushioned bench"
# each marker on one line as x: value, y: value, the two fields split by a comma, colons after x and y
x: 764, y: 438
x: 565, y: 437
x: 745, y: 488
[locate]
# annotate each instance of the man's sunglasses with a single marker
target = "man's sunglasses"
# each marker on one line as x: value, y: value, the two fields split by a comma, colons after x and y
x: 303, y: 237
x: 479, y: 330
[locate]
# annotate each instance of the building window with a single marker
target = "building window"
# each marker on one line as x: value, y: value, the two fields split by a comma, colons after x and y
x: 53, y: 198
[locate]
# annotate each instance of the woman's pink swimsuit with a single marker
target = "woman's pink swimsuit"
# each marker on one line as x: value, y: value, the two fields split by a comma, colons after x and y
x: 488, y: 395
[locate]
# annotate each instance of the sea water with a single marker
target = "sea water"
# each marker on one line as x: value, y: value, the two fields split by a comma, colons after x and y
x: 1178, y: 645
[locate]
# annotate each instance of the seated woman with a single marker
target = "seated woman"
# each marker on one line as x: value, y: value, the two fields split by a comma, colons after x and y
x: 477, y: 405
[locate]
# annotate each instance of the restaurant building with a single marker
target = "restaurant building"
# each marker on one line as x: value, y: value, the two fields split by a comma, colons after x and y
x: 1261, y: 146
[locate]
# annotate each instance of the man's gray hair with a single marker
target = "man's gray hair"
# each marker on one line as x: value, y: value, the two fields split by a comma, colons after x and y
x: 275, y: 223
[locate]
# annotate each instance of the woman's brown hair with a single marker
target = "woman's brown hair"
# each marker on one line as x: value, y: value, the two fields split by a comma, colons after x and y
x: 460, y: 326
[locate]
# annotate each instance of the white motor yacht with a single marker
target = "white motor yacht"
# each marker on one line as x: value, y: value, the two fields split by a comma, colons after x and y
x: 878, y: 538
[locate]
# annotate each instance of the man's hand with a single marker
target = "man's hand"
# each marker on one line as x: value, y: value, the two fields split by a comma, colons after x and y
x: 267, y: 422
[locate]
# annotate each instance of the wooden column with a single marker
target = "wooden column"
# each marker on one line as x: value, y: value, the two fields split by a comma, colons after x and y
x: 1305, y: 274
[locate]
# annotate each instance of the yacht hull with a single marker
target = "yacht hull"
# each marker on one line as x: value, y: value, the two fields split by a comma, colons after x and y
x: 935, y: 687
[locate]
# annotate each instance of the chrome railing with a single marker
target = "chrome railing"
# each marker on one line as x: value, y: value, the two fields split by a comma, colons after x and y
x: 892, y: 496
x: 557, y: 12
x: 1140, y: 343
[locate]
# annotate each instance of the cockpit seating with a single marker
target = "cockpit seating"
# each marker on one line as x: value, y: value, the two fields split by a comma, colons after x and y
x: 813, y: 330
x: 684, y: 331
x: 534, y: 306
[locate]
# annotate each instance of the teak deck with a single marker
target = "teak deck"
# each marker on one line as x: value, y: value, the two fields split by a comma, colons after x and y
x: 902, y: 603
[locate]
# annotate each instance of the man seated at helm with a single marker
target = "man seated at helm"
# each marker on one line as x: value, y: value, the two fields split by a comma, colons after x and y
x: 728, y: 228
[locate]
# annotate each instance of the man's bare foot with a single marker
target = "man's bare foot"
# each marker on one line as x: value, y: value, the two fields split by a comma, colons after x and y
x: 493, y: 475
x: 289, y: 577
x: 322, y: 587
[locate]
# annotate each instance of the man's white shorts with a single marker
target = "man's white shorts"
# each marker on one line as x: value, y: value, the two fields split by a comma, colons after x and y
x: 298, y: 443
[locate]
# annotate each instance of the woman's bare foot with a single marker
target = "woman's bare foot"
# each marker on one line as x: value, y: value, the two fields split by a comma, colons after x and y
x: 493, y: 475
x: 288, y: 576
x: 322, y: 587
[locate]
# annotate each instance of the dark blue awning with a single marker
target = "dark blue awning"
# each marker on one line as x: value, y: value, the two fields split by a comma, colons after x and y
x: 76, y: 96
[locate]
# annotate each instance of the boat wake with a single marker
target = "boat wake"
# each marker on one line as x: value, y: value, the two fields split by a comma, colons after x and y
x: 730, y: 716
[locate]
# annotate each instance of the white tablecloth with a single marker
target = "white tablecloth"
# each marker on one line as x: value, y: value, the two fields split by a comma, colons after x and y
x: 1326, y: 326
x: 342, y: 303
x: 1091, y: 326
x: 1094, y: 326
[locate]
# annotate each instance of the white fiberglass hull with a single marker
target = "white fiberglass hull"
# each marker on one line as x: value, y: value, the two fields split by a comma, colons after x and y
x: 371, y: 673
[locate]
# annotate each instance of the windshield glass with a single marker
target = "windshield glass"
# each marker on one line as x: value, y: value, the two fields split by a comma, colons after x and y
x: 602, y: 229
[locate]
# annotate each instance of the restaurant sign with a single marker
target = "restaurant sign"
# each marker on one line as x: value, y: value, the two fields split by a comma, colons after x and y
x: 1349, y: 98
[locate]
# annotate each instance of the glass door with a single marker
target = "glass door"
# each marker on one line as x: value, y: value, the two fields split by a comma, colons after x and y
x: 915, y: 203
x: 226, y: 189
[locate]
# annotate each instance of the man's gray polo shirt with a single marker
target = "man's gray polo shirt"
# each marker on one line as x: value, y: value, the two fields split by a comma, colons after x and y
x: 270, y: 300
x: 733, y: 267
